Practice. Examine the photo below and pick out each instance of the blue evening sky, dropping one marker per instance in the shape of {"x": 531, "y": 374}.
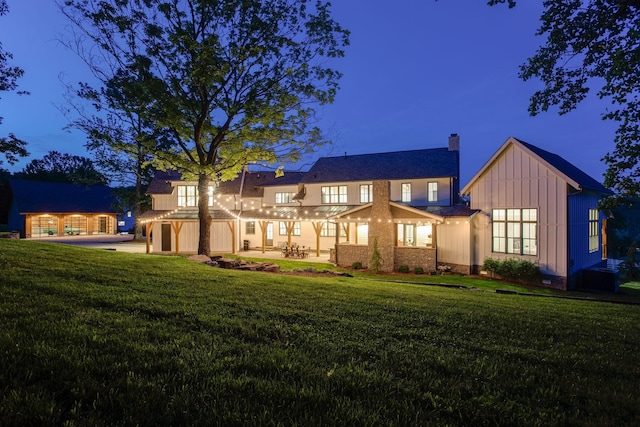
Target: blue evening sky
{"x": 415, "y": 72}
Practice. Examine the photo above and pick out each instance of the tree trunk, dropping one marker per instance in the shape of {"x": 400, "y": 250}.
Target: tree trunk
{"x": 204, "y": 244}
{"x": 137, "y": 209}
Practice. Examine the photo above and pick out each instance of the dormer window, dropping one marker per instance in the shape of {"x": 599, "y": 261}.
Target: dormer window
{"x": 187, "y": 195}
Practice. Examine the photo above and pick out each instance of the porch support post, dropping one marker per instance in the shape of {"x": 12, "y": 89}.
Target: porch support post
{"x": 356, "y": 230}
{"x": 263, "y": 231}
{"x": 317, "y": 227}
{"x": 176, "y": 226}
{"x": 347, "y": 228}
{"x": 149, "y": 229}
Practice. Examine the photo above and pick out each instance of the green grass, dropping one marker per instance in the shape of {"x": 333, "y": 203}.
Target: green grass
{"x": 100, "y": 337}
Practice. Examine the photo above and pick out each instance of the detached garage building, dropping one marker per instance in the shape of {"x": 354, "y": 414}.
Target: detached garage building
{"x": 48, "y": 209}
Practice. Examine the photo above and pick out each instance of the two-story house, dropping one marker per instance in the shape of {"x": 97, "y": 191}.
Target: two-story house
{"x": 327, "y": 206}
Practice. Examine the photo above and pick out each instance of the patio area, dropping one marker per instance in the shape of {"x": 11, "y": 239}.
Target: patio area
{"x": 277, "y": 254}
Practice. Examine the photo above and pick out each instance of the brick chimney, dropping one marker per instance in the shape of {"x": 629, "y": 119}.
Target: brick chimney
{"x": 381, "y": 225}
{"x": 454, "y": 142}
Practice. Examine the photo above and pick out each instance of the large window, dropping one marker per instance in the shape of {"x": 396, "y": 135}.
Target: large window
{"x": 187, "y": 195}
{"x": 432, "y": 191}
{"x": 283, "y": 229}
{"x": 406, "y": 192}
{"x": 415, "y": 235}
{"x": 284, "y": 197}
{"x": 334, "y": 194}
{"x": 366, "y": 193}
{"x": 514, "y": 231}
{"x": 593, "y": 230}
{"x": 210, "y": 193}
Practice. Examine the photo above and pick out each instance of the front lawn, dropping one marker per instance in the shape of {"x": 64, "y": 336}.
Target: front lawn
{"x": 92, "y": 337}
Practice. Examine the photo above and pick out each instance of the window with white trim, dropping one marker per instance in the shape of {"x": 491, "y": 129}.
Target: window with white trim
{"x": 514, "y": 231}
{"x": 406, "y": 192}
{"x": 334, "y": 194}
{"x": 432, "y": 191}
{"x": 366, "y": 193}
{"x": 284, "y": 197}
{"x": 210, "y": 193}
{"x": 187, "y": 195}
{"x": 593, "y": 230}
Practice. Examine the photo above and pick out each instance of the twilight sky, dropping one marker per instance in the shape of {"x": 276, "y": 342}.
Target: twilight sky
{"x": 415, "y": 72}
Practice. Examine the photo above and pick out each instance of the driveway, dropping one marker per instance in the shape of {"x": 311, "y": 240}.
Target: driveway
{"x": 117, "y": 242}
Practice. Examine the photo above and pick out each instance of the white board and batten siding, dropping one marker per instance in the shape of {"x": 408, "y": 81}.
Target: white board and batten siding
{"x": 190, "y": 235}
{"x": 518, "y": 180}
{"x": 455, "y": 241}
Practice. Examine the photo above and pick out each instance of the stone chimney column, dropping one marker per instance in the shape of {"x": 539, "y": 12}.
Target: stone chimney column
{"x": 382, "y": 226}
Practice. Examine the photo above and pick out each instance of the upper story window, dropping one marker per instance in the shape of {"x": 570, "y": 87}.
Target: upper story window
{"x": 406, "y": 192}
{"x": 187, "y": 195}
{"x": 210, "y": 193}
{"x": 593, "y": 230}
{"x": 514, "y": 231}
{"x": 366, "y": 193}
{"x": 334, "y": 194}
{"x": 432, "y": 191}
{"x": 284, "y": 197}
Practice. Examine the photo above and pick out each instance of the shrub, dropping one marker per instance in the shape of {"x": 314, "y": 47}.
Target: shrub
{"x": 513, "y": 269}
{"x": 418, "y": 270}
{"x": 356, "y": 265}
{"x": 403, "y": 269}
{"x": 375, "y": 264}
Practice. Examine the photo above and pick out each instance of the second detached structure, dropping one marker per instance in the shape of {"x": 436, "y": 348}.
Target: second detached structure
{"x": 408, "y": 200}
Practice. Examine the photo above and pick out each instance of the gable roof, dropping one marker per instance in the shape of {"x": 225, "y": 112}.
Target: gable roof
{"x": 573, "y": 175}
{"x": 427, "y": 163}
{"x": 161, "y": 182}
{"x": 56, "y": 197}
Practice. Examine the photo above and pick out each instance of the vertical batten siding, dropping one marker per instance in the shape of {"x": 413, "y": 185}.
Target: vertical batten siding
{"x": 455, "y": 242}
{"x": 517, "y": 180}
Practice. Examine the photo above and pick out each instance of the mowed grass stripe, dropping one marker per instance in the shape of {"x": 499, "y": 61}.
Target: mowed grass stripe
{"x": 100, "y": 337}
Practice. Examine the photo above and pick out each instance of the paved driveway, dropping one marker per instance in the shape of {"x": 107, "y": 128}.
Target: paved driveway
{"x": 118, "y": 242}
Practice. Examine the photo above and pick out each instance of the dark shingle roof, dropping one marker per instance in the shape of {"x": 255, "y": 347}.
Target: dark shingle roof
{"x": 584, "y": 180}
{"x": 428, "y": 163}
{"x": 161, "y": 182}
{"x": 55, "y": 197}
{"x": 253, "y": 182}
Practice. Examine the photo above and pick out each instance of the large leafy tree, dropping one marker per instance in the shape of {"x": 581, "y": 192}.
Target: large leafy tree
{"x": 593, "y": 44}
{"x": 11, "y": 147}
{"x": 230, "y": 81}
{"x": 63, "y": 167}
{"x": 122, "y": 141}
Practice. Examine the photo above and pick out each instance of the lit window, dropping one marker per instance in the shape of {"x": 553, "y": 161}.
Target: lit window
{"x": 284, "y": 197}
{"x": 366, "y": 193}
{"x": 432, "y": 192}
{"x": 210, "y": 194}
{"x": 593, "y": 230}
{"x": 187, "y": 195}
{"x": 514, "y": 231}
{"x": 334, "y": 194}
{"x": 406, "y": 192}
